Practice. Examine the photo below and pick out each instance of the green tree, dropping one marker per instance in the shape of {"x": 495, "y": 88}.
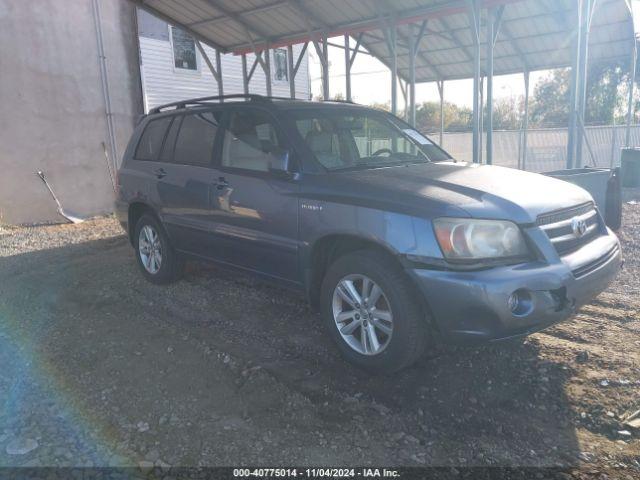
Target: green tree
{"x": 606, "y": 85}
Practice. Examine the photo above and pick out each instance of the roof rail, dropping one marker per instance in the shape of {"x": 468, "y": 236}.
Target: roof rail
{"x": 202, "y": 100}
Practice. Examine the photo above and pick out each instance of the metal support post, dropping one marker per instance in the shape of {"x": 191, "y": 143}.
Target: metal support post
{"x": 347, "y": 67}
{"x": 291, "y": 73}
{"x": 441, "y": 93}
{"x": 245, "y": 75}
{"x": 632, "y": 83}
{"x": 267, "y": 70}
{"x": 215, "y": 71}
{"x": 412, "y": 75}
{"x": 493, "y": 28}
{"x": 573, "y": 96}
{"x": 394, "y": 69}
{"x": 525, "y": 122}
{"x": 474, "y": 16}
{"x": 585, "y": 20}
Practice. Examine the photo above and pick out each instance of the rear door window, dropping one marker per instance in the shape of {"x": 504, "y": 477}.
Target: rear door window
{"x": 170, "y": 140}
{"x": 151, "y": 141}
{"x": 196, "y": 138}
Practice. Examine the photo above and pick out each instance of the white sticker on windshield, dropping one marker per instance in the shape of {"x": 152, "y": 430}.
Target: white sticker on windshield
{"x": 417, "y": 136}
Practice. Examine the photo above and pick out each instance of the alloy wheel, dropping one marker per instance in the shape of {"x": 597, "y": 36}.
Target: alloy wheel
{"x": 362, "y": 314}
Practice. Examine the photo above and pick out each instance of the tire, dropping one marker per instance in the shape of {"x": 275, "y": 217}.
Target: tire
{"x": 163, "y": 269}
{"x": 409, "y": 335}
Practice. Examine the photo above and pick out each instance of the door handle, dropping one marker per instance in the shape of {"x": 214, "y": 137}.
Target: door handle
{"x": 221, "y": 183}
{"x": 160, "y": 173}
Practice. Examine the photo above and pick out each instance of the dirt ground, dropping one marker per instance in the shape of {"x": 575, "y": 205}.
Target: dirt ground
{"x": 99, "y": 367}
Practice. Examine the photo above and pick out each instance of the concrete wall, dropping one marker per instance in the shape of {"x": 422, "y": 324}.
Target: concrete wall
{"x": 52, "y": 115}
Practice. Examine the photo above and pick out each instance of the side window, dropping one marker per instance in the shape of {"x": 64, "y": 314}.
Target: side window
{"x": 280, "y": 64}
{"x": 184, "y": 50}
{"x": 170, "y": 141}
{"x": 194, "y": 145}
{"x": 251, "y": 141}
{"x": 151, "y": 141}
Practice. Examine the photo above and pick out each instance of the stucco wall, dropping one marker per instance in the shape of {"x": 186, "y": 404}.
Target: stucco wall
{"x": 52, "y": 114}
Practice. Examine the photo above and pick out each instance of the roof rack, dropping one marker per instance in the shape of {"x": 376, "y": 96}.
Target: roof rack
{"x": 204, "y": 100}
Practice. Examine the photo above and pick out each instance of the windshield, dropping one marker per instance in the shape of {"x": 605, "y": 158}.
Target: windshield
{"x": 344, "y": 139}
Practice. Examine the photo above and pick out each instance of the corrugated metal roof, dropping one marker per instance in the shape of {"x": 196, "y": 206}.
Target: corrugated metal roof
{"x": 534, "y": 34}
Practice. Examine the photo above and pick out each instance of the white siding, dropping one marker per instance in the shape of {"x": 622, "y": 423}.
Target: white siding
{"x": 162, "y": 83}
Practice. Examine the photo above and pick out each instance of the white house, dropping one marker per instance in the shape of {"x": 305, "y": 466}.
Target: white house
{"x": 172, "y": 68}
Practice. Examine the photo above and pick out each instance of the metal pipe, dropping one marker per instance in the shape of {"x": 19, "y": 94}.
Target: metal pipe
{"x": 475, "y": 18}
{"x": 585, "y": 20}
{"x": 412, "y": 76}
{"x": 347, "y": 67}
{"x": 480, "y": 154}
{"x": 325, "y": 68}
{"x": 394, "y": 69}
{"x": 441, "y": 92}
{"x": 245, "y": 75}
{"x": 490, "y": 44}
{"x": 267, "y": 70}
{"x": 219, "y": 69}
{"x": 573, "y": 95}
{"x": 291, "y": 72}
{"x": 104, "y": 80}
{"x": 525, "y": 120}
{"x": 632, "y": 83}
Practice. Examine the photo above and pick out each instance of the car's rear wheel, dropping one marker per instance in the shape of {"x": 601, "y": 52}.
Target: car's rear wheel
{"x": 372, "y": 312}
{"x": 156, "y": 258}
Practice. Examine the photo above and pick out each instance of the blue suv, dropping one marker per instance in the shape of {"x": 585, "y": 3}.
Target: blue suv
{"x": 395, "y": 242}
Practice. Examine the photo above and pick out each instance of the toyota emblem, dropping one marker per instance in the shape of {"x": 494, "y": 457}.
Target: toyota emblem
{"x": 579, "y": 226}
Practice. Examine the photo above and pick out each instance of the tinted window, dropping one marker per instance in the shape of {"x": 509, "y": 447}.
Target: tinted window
{"x": 151, "y": 140}
{"x": 196, "y": 138}
{"x": 170, "y": 140}
{"x": 251, "y": 141}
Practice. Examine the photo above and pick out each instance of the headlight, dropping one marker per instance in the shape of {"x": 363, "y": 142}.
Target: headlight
{"x": 470, "y": 239}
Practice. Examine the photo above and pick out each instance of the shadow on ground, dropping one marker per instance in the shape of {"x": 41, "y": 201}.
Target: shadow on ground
{"x": 102, "y": 368}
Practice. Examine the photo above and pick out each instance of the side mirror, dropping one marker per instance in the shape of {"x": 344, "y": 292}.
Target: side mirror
{"x": 279, "y": 162}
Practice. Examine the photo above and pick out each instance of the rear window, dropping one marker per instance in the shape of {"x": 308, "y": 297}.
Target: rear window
{"x": 151, "y": 141}
{"x": 194, "y": 145}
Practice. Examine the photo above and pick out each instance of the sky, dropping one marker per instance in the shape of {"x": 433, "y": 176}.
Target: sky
{"x": 371, "y": 82}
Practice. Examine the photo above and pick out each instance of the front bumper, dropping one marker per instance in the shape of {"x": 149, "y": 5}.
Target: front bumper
{"x": 472, "y": 307}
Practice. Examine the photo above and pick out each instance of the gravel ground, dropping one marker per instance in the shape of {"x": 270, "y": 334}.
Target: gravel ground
{"x": 100, "y": 367}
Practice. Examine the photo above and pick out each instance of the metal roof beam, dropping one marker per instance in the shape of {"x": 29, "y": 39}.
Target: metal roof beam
{"x": 142, "y": 4}
{"x": 408, "y": 16}
{"x": 248, "y": 28}
{"x": 251, "y": 11}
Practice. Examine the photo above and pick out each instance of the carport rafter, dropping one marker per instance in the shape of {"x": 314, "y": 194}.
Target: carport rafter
{"x": 215, "y": 71}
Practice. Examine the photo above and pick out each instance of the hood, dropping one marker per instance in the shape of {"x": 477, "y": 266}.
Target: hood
{"x": 482, "y": 191}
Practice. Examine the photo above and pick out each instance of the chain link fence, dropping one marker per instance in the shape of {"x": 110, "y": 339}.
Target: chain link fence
{"x": 546, "y": 148}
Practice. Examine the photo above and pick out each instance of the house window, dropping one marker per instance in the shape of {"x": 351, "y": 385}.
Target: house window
{"x": 184, "y": 50}
{"x": 280, "y": 65}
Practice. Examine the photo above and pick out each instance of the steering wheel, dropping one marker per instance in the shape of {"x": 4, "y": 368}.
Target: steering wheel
{"x": 381, "y": 151}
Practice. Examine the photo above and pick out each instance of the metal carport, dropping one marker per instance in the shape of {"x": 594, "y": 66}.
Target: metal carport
{"x": 423, "y": 41}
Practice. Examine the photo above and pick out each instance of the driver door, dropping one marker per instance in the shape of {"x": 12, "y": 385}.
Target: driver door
{"x": 255, "y": 211}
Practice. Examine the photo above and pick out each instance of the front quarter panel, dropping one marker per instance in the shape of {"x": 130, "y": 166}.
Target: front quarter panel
{"x": 399, "y": 233}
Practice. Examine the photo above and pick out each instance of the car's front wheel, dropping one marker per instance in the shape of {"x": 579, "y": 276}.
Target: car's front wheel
{"x": 372, "y": 313}
{"x": 157, "y": 259}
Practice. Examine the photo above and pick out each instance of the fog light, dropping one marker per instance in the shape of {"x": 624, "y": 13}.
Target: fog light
{"x": 520, "y": 303}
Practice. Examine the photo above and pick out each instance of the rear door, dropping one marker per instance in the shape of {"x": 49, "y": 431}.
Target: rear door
{"x": 255, "y": 210}
{"x": 185, "y": 179}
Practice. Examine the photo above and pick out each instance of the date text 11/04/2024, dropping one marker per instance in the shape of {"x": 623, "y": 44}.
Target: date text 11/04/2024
{"x": 316, "y": 473}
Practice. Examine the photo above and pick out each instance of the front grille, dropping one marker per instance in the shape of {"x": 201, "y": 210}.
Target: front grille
{"x": 597, "y": 263}
{"x": 557, "y": 226}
